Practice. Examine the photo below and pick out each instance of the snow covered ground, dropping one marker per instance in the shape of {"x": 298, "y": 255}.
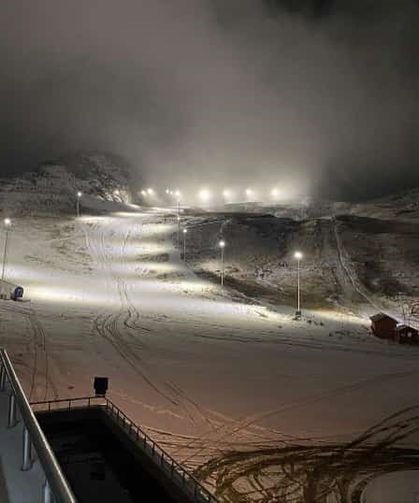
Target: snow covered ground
{"x": 219, "y": 380}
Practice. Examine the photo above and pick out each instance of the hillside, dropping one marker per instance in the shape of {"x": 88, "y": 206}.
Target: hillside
{"x": 54, "y": 185}
{"x": 362, "y": 257}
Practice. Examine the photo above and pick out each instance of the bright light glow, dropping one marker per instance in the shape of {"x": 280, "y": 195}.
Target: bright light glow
{"x": 143, "y": 193}
{"x": 177, "y": 193}
{"x": 7, "y": 222}
{"x": 249, "y": 193}
{"x": 275, "y": 193}
{"x": 298, "y": 255}
{"x": 222, "y": 244}
{"x": 167, "y": 191}
{"x": 79, "y": 194}
{"x": 204, "y": 195}
{"x": 185, "y": 231}
{"x": 116, "y": 192}
{"x": 227, "y": 193}
{"x": 150, "y": 191}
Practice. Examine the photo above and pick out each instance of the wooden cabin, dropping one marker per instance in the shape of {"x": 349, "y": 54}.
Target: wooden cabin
{"x": 383, "y": 325}
{"x": 406, "y": 335}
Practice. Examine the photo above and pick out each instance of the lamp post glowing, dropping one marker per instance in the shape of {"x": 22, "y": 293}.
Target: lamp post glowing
{"x": 177, "y": 195}
{"x": 79, "y": 194}
{"x": 178, "y": 230}
{"x": 185, "y": 231}
{"x": 298, "y": 256}
{"x": 249, "y": 194}
{"x": 7, "y": 225}
{"x": 204, "y": 196}
{"x": 222, "y": 245}
{"x": 227, "y": 195}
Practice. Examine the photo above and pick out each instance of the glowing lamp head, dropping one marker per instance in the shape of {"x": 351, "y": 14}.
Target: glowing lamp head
{"x": 167, "y": 191}
{"x": 298, "y": 255}
{"x": 7, "y": 222}
{"x": 150, "y": 192}
{"x": 79, "y": 194}
{"x": 222, "y": 243}
{"x": 204, "y": 195}
{"x": 227, "y": 193}
{"x": 275, "y": 193}
{"x": 185, "y": 231}
{"x": 177, "y": 193}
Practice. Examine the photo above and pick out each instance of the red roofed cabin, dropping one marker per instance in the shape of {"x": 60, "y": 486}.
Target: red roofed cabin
{"x": 383, "y": 325}
{"x": 406, "y": 335}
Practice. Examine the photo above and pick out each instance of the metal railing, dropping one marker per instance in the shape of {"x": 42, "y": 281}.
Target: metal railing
{"x": 55, "y": 487}
{"x": 175, "y": 472}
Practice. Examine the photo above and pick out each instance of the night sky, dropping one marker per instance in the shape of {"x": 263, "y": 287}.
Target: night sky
{"x": 322, "y": 93}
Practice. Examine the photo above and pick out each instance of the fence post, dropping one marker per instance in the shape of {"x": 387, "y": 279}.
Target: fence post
{"x": 12, "y": 410}
{"x": 27, "y": 451}
{"x": 46, "y": 493}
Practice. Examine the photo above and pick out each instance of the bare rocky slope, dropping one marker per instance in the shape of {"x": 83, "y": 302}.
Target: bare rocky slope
{"x": 53, "y": 186}
{"x": 354, "y": 254}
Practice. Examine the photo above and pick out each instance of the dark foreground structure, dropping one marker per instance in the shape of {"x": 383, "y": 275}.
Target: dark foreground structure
{"x": 82, "y": 450}
{"x": 106, "y": 458}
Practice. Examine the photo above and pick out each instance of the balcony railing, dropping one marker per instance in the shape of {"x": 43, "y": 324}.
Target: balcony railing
{"x": 55, "y": 487}
{"x": 176, "y": 473}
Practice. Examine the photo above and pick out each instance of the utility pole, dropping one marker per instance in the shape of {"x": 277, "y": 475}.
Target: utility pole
{"x": 298, "y": 255}
{"x": 222, "y": 245}
{"x": 185, "y": 231}
{"x": 79, "y": 194}
{"x": 7, "y": 224}
{"x": 178, "y": 230}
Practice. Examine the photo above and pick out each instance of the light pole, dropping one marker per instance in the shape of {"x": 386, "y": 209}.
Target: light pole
{"x": 177, "y": 195}
{"x": 178, "y": 230}
{"x": 298, "y": 256}
{"x": 7, "y": 225}
{"x": 185, "y": 231}
{"x": 222, "y": 245}
{"x": 79, "y": 194}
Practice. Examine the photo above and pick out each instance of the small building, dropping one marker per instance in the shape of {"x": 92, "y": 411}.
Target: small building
{"x": 406, "y": 335}
{"x": 383, "y": 325}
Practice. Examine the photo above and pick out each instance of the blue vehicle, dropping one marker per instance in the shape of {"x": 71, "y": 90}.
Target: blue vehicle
{"x": 10, "y": 291}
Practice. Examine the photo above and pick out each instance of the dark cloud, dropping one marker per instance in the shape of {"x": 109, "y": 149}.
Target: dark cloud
{"x": 317, "y": 94}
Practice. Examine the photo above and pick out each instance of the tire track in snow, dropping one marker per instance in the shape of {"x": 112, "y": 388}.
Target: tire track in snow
{"x": 40, "y": 367}
{"x": 115, "y": 326}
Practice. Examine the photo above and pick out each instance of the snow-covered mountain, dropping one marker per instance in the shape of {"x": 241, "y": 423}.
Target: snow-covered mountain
{"x": 53, "y": 186}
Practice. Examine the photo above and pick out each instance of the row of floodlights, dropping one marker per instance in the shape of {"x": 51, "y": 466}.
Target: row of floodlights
{"x": 206, "y": 195}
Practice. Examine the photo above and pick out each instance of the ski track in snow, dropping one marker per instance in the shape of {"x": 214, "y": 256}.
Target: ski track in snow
{"x": 123, "y": 329}
{"x": 126, "y": 253}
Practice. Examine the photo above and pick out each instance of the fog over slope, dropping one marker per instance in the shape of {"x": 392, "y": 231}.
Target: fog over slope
{"x": 318, "y": 96}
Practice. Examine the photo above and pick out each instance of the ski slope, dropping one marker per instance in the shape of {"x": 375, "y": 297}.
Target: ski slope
{"x": 206, "y": 371}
